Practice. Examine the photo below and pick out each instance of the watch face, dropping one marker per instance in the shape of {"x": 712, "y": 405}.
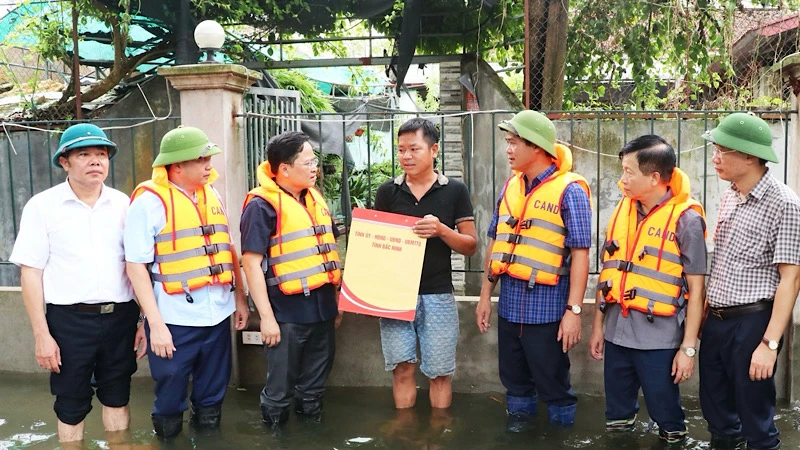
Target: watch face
{"x": 773, "y": 345}
{"x": 576, "y": 309}
{"x": 689, "y": 351}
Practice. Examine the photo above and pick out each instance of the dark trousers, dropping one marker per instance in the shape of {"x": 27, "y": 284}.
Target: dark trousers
{"x": 92, "y": 344}
{"x": 299, "y": 365}
{"x": 531, "y": 362}
{"x": 204, "y": 354}
{"x": 732, "y": 404}
{"x": 628, "y": 369}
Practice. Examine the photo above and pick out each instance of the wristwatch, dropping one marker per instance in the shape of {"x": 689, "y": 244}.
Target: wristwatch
{"x": 772, "y": 345}
{"x": 575, "y": 308}
{"x": 689, "y": 351}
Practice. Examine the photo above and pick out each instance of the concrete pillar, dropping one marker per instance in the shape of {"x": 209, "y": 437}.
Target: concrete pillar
{"x": 789, "y": 70}
{"x": 211, "y": 99}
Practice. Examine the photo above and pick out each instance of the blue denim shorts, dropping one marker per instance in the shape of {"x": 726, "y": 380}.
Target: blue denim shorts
{"x": 436, "y": 325}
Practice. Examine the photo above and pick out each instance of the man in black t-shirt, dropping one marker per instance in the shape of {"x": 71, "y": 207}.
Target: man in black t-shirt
{"x": 448, "y": 224}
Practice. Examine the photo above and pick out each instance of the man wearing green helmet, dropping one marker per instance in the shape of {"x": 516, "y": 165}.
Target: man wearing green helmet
{"x": 185, "y": 271}
{"x": 541, "y": 234}
{"x": 754, "y": 281}
{"x": 69, "y": 250}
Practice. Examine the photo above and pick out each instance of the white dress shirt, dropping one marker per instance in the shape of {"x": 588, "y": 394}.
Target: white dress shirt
{"x": 78, "y": 247}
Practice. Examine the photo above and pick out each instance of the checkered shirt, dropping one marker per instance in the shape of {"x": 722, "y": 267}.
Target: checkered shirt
{"x": 543, "y": 303}
{"x": 753, "y": 235}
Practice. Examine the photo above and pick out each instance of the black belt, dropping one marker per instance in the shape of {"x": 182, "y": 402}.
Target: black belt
{"x": 99, "y": 308}
{"x": 735, "y": 311}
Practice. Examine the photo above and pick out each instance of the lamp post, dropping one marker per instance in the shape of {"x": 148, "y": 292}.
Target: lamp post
{"x": 209, "y": 36}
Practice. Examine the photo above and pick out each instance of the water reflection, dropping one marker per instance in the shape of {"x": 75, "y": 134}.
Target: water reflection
{"x": 353, "y": 418}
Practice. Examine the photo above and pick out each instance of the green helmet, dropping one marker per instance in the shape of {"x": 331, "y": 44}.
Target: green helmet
{"x": 184, "y": 144}
{"x": 533, "y": 127}
{"x": 745, "y": 133}
{"x": 83, "y": 135}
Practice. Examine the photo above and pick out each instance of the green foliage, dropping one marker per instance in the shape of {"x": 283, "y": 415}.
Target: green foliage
{"x": 311, "y": 99}
{"x": 363, "y": 183}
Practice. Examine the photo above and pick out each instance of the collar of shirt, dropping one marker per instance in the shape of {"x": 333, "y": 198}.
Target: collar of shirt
{"x": 529, "y": 185}
{"x": 192, "y": 196}
{"x": 67, "y": 194}
{"x": 759, "y": 190}
{"x": 640, "y": 212}
{"x": 442, "y": 180}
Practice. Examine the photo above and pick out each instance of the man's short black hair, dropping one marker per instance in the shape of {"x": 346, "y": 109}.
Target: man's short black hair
{"x": 429, "y": 131}
{"x": 284, "y": 148}
{"x": 653, "y": 154}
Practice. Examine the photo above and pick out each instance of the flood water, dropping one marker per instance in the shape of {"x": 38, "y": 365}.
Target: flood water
{"x": 360, "y": 418}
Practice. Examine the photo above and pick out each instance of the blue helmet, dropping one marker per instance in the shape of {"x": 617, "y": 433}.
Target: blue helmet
{"x": 83, "y": 135}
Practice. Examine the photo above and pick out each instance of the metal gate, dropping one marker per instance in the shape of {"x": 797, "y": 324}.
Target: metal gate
{"x": 259, "y": 129}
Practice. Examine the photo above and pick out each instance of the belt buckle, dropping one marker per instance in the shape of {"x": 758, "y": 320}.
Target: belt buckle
{"x": 107, "y": 309}
{"x": 717, "y": 313}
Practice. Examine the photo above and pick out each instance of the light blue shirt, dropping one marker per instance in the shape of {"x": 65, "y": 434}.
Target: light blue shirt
{"x": 212, "y": 304}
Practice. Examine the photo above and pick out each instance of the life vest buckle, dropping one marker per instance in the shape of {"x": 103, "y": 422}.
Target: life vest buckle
{"x": 330, "y": 266}
{"x": 630, "y": 294}
{"x": 216, "y": 269}
{"x": 612, "y": 247}
{"x": 207, "y": 229}
{"x": 508, "y": 258}
{"x": 324, "y": 248}
{"x": 318, "y": 229}
{"x": 514, "y": 238}
{"x": 625, "y": 266}
{"x": 512, "y": 221}
{"x": 526, "y": 224}
{"x": 605, "y": 287}
{"x": 211, "y": 249}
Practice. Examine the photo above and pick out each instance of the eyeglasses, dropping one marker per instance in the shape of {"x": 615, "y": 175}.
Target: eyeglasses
{"x": 313, "y": 164}
{"x": 719, "y": 150}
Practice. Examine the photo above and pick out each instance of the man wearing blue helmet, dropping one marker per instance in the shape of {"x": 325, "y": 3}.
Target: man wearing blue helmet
{"x": 70, "y": 253}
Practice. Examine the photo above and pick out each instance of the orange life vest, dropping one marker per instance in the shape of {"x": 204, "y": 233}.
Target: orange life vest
{"x": 194, "y": 248}
{"x": 529, "y": 244}
{"x": 642, "y": 267}
{"x": 303, "y": 253}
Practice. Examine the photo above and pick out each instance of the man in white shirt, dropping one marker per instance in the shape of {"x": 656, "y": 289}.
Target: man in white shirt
{"x": 72, "y": 262}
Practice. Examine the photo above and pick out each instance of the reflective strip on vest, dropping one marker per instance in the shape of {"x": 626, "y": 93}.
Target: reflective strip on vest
{"x": 519, "y": 239}
{"x": 628, "y": 266}
{"x": 209, "y": 249}
{"x": 316, "y": 230}
{"x": 510, "y": 258}
{"x": 316, "y": 250}
{"x": 665, "y": 255}
{"x": 203, "y": 230}
{"x": 539, "y": 223}
{"x": 325, "y": 267}
{"x": 184, "y": 276}
{"x": 655, "y": 296}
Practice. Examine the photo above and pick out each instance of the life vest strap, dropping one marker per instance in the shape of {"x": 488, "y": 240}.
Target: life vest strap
{"x": 203, "y": 230}
{"x": 631, "y": 294}
{"x": 327, "y": 266}
{"x": 315, "y": 250}
{"x": 629, "y": 266}
{"x": 209, "y": 249}
{"x": 315, "y": 230}
{"x": 512, "y": 238}
{"x": 665, "y": 255}
{"x": 182, "y": 277}
{"x": 511, "y": 258}
{"x": 530, "y": 223}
